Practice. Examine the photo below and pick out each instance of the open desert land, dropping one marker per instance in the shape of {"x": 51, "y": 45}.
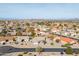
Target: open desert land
{"x": 42, "y": 37}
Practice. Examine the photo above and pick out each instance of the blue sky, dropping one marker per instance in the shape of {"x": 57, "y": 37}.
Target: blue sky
{"x": 45, "y": 11}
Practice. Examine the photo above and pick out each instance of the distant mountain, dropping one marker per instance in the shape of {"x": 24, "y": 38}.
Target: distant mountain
{"x": 71, "y": 19}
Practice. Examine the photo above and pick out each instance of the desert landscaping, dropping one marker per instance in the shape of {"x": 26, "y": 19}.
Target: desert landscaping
{"x": 39, "y": 38}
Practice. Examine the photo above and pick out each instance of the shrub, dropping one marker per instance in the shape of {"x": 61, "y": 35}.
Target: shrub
{"x": 57, "y": 40}
{"x": 6, "y": 40}
{"x": 66, "y": 45}
{"x": 22, "y": 40}
{"x": 14, "y": 39}
{"x": 16, "y": 43}
{"x": 52, "y": 44}
{"x": 25, "y": 52}
{"x": 30, "y": 53}
{"x": 39, "y": 49}
{"x": 4, "y": 43}
{"x": 20, "y": 55}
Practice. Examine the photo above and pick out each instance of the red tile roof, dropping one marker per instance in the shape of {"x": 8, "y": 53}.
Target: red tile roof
{"x": 68, "y": 40}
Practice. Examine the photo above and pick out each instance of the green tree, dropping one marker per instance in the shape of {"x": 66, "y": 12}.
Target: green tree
{"x": 69, "y": 50}
{"x": 67, "y": 45}
{"x": 18, "y": 33}
{"x": 33, "y": 34}
{"x": 57, "y": 40}
{"x": 27, "y": 24}
{"x": 39, "y": 49}
{"x": 4, "y": 32}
